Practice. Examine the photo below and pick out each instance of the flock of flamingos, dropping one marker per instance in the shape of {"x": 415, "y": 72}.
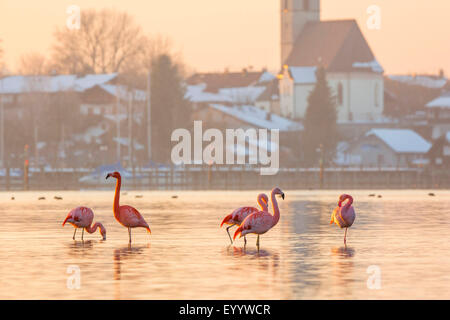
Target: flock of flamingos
{"x": 248, "y": 219}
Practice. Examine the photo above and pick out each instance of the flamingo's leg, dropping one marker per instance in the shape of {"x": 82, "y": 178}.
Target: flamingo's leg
{"x": 129, "y": 234}
{"x": 257, "y": 241}
{"x": 245, "y": 241}
{"x": 345, "y": 236}
{"x": 82, "y": 235}
{"x": 74, "y": 234}
{"x": 229, "y": 234}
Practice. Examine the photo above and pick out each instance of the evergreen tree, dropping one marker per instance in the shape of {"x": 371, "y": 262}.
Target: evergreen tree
{"x": 170, "y": 110}
{"x": 320, "y": 122}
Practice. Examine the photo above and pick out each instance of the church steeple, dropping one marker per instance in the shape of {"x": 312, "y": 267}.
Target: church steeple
{"x": 294, "y": 15}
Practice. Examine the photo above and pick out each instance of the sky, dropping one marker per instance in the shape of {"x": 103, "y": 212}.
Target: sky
{"x": 211, "y": 35}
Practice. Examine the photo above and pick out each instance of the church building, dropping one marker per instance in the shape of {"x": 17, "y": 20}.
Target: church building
{"x": 353, "y": 72}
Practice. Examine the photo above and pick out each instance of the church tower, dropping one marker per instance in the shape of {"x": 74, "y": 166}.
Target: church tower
{"x": 294, "y": 15}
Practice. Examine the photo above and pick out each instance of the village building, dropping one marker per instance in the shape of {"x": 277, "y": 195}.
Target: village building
{"x": 387, "y": 148}
{"x": 353, "y": 73}
{"x": 439, "y": 153}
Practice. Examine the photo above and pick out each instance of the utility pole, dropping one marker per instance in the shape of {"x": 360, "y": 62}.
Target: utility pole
{"x": 118, "y": 121}
{"x": 149, "y": 117}
{"x": 2, "y": 130}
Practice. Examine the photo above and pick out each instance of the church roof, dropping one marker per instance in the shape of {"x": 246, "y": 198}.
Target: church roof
{"x": 338, "y": 45}
{"x": 216, "y": 81}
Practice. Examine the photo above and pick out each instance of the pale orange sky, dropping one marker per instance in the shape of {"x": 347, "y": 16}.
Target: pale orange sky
{"x": 215, "y": 34}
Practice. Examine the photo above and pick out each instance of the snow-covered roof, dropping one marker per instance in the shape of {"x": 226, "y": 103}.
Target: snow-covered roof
{"x": 52, "y": 84}
{"x": 421, "y": 80}
{"x": 196, "y": 93}
{"x": 374, "y": 65}
{"x": 126, "y": 142}
{"x": 237, "y": 95}
{"x": 259, "y": 117}
{"x": 440, "y": 102}
{"x": 266, "y": 77}
{"x": 303, "y": 75}
{"x": 122, "y": 92}
{"x": 401, "y": 140}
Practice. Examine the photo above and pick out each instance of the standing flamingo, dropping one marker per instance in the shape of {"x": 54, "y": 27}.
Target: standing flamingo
{"x": 238, "y": 215}
{"x": 82, "y": 217}
{"x": 262, "y": 221}
{"x": 344, "y": 216}
{"x": 127, "y": 216}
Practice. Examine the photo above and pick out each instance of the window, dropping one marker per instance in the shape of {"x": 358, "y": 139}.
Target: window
{"x": 377, "y": 94}
{"x": 340, "y": 94}
{"x": 305, "y": 5}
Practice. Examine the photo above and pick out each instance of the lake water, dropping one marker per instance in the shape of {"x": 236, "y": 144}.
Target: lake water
{"x": 398, "y": 248}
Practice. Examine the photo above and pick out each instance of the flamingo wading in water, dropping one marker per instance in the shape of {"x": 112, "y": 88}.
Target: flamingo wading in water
{"x": 82, "y": 217}
{"x": 262, "y": 221}
{"x": 127, "y": 216}
{"x": 344, "y": 216}
{"x": 238, "y": 215}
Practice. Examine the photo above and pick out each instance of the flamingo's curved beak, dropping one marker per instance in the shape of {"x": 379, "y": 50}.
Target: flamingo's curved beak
{"x": 65, "y": 220}
{"x": 238, "y": 232}
{"x": 282, "y": 195}
{"x": 107, "y": 176}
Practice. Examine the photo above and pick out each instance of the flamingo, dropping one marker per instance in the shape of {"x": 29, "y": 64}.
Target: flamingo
{"x": 238, "y": 215}
{"x": 127, "y": 216}
{"x": 344, "y": 216}
{"x": 262, "y": 221}
{"x": 82, "y": 217}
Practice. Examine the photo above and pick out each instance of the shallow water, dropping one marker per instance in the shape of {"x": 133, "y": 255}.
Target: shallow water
{"x": 403, "y": 236}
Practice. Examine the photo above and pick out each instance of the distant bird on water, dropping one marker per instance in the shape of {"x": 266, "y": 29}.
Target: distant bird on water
{"x": 127, "y": 216}
{"x": 238, "y": 215}
{"x": 344, "y": 216}
{"x": 262, "y": 221}
{"x": 82, "y": 217}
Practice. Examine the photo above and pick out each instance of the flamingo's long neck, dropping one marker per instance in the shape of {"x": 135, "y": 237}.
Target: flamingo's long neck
{"x": 116, "y": 198}
{"x": 276, "y": 211}
{"x": 261, "y": 203}
{"x": 93, "y": 228}
{"x": 349, "y": 202}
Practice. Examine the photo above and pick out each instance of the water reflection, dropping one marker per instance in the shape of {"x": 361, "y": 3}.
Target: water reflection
{"x": 188, "y": 257}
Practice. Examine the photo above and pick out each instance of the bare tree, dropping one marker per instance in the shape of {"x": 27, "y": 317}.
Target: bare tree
{"x": 107, "y": 41}
{"x": 1, "y": 59}
{"x": 33, "y": 64}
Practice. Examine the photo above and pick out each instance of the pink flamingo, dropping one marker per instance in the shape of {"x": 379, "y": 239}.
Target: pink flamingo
{"x": 127, "y": 216}
{"x": 82, "y": 217}
{"x": 344, "y": 216}
{"x": 238, "y": 215}
{"x": 262, "y": 221}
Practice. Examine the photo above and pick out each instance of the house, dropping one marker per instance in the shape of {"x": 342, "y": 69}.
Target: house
{"x": 439, "y": 153}
{"x": 232, "y": 88}
{"x": 438, "y": 115}
{"x": 353, "y": 73}
{"x": 396, "y": 148}
{"x": 269, "y": 100}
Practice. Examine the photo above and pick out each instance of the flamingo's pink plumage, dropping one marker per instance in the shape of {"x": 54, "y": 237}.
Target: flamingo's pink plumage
{"x": 82, "y": 217}
{"x": 127, "y": 216}
{"x": 344, "y": 216}
{"x": 261, "y": 221}
{"x": 238, "y": 215}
